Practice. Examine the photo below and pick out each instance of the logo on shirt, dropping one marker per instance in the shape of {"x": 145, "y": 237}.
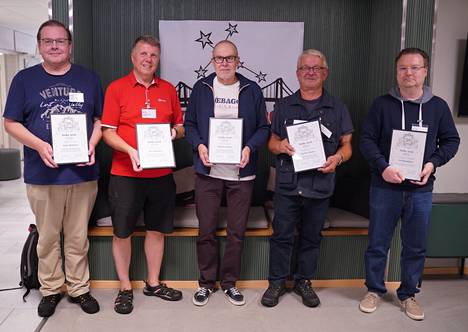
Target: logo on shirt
{"x": 55, "y": 100}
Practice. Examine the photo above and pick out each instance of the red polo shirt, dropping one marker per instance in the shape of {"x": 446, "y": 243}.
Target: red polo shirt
{"x": 125, "y": 98}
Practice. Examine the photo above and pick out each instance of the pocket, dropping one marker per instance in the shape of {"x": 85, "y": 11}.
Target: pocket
{"x": 324, "y": 183}
{"x": 286, "y": 178}
{"x": 330, "y": 145}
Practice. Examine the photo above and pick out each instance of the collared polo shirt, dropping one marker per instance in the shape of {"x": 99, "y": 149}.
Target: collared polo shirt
{"x": 125, "y": 98}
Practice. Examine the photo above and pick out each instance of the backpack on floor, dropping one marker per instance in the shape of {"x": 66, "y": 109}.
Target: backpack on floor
{"x": 29, "y": 262}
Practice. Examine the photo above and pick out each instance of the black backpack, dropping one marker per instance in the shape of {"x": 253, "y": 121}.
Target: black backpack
{"x": 29, "y": 262}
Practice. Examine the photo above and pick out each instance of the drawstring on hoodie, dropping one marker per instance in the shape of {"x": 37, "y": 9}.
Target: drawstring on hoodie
{"x": 420, "y": 120}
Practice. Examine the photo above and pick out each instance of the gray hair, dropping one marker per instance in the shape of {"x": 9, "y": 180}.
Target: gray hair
{"x": 311, "y": 51}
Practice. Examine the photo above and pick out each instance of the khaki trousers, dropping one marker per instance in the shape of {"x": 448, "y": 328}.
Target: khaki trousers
{"x": 63, "y": 208}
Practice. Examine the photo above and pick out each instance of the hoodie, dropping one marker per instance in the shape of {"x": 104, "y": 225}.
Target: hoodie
{"x": 391, "y": 111}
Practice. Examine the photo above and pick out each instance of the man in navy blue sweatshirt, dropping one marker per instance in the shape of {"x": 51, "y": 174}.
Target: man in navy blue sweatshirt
{"x": 412, "y": 107}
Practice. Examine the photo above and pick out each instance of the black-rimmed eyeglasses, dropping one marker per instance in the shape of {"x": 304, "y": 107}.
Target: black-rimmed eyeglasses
{"x": 220, "y": 59}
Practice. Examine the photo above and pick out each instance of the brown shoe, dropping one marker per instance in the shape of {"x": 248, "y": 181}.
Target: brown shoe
{"x": 412, "y": 309}
{"x": 369, "y": 303}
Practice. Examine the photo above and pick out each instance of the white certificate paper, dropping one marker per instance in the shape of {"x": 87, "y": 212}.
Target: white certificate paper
{"x": 407, "y": 153}
{"x": 306, "y": 139}
{"x": 155, "y": 145}
{"x": 69, "y": 138}
{"x": 225, "y": 141}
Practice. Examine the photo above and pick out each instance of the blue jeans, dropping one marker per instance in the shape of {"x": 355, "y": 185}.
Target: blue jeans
{"x": 386, "y": 208}
{"x": 308, "y": 215}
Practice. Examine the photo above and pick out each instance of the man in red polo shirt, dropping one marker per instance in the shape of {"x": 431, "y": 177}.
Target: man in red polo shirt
{"x": 140, "y": 97}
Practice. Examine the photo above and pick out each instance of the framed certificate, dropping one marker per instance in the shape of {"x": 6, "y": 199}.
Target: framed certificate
{"x": 69, "y": 138}
{"x": 154, "y": 145}
{"x": 407, "y": 152}
{"x": 306, "y": 139}
{"x": 225, "y": 141}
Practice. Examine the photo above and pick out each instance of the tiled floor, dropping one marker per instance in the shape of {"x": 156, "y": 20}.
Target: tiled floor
{"x": 15, "y": 217}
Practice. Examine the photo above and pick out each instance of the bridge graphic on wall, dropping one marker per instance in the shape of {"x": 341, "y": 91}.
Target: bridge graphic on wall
{"x": 271, "y": 92}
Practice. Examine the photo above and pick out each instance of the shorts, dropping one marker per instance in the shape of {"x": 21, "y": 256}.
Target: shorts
{"x": 129, "y": 196}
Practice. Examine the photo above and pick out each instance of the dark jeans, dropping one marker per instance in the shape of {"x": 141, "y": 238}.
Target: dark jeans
{"x": 208, "y": 196}
{"x": 386, "y": 208}
{"x": 308, "y": 215}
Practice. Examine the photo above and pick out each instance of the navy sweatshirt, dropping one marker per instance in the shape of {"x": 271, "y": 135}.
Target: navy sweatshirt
{"x": 386, "y": 114}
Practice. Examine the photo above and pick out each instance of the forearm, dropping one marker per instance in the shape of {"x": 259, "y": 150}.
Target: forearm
{"x": 180, "y": 131}
{"x": 116, "y": 142}
{"x": 274, "y": 144}
{"x": 96, "y": 134}
{"x": 345, "y": 149}
{"x": 23, "y": 135}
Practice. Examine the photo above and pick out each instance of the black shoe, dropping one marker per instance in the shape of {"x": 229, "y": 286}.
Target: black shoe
{"x": 162, "y": 291}
{"x": 124, "y": 302}
{"x": 200, "y": 298}
{"x": 48, "y": 304}
{"x": 87, "y": 302}
{"x": 234, "y": 296}
{"x": 304, "y": 289}
{"x": 271, "y": 296}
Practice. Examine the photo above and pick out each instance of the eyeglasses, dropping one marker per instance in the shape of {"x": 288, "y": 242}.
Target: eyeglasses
{"x": 220, "y": 59}
{"x": 412, "y": 69}
{"x": 58, "y": 42}
{"x": 314, "y": 69}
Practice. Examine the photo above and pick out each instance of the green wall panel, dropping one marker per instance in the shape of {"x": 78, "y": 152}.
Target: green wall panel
{"x": 448, "y": 231}
{"x": 60, "y": 11}
{"x": 341, "y": 257}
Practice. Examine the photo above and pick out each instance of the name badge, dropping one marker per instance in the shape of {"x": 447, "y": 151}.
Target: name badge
{"x": 148, "y": 113}
{"x": 325, "y": 131}
{"x": 76, "y": 97}
{"x": 416, "y": 127}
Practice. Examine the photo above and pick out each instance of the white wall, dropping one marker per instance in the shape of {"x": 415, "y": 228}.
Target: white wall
{"x": 450, "y": 44}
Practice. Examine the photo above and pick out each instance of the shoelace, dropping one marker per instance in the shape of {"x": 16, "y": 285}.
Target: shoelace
{"x": 124, "y": 296}
{"x": 84, "y": 298}
{"x": 202, "y": 291}
{"x": 307, "y": 287}
{"x": 371, "y": 297}
{"x": 234, "y": 291}
{"x": 412, "y": 303}
{"x": 52, "y": 299}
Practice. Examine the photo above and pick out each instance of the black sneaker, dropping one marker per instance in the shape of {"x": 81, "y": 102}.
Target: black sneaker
{"x": 87, "y": 302}
{"x": 48, "y": 304}
{"x": 234, "y": 296}
{"x": 200, "y": 298}
{"x": 271, "y": 296}
{"x": 124, "y": 302}
{"x": 162, "y": 291}
{"x": 304, "y": 289}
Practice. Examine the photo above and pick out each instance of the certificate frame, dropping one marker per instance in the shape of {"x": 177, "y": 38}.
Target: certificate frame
{"x": 225, "y": 140}
{"x": 69, "y": 138}
{"x": 154, "y": 145}
{"x": 407, "y": 152}
{"x": 306, "y": 139}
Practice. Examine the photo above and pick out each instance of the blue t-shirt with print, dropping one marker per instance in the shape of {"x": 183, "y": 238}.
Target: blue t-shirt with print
{"x": 34, "y": 95}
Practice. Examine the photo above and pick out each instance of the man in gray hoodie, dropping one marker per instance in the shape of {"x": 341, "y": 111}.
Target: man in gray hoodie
{"x": 410, "y": 107}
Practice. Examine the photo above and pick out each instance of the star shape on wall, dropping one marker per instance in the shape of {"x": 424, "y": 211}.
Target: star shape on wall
{"x": 205, "y": 39}
{"x": 200, "y": 72}
{"x": 261, "y": 77}
{"x": 232, "y": 29}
